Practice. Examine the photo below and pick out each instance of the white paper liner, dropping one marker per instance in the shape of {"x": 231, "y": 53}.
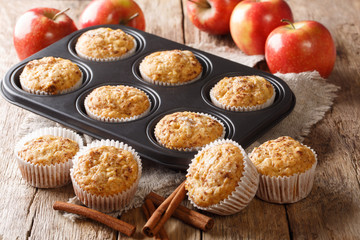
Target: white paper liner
{"x": 242, "y": 109}
{"x": 116, "y": 120}
{"x": 109, "y": 59}
{"x": 48, "y": 176}
{"x": 38, "y": 92}
{"x": 195, "y": 148}
{"x": 287, "y": 189}
{"x": 244, "y": 192}
{"x": 160, "y": 83}
{"x": 107, "y": 203}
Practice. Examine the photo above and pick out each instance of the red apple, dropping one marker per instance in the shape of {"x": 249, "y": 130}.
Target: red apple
{"x": 253, "y": 20}
{"x": 211, "y": 16}
{"x": 124, "y": 12}
{"x": 299, "y": 47}
{"x": 38, "y": 28}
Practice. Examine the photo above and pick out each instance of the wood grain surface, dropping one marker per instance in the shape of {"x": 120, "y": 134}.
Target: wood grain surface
{"x": 331, "y": 211}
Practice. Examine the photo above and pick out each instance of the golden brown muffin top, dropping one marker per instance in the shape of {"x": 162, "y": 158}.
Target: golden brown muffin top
{"x": 102, "y": 43}
{"x": 214, "y": 173}
{"x": 173, "y": 66}
{"x": 283, "y": 156}
{"x": 50, "y": 75}
{"x": 48, "y": 150}
{"x": 187, "y": 130}
{"x": 105, "y": 170}
{"x": 243, "y": 91}
{"x": 117, "y": 101}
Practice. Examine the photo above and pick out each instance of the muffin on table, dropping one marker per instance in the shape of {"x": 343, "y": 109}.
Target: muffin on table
{"x": 188, "y": 131}
{"x": 50, "y": 76}
{"x": 221, "y": 179}
{"x": 169, "y": 68}
{"x": 242, "y": 93}
{"x": 117, "y": 103}
{"x": 45, "y": 156}
{"x": 286, "y": 168}
{"x": 105, "y": 175}
{"x": 105, "y": 44}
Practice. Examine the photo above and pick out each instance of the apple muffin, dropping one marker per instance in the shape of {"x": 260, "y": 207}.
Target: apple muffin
{"x": 117, "y": 103}
{"x": 173, "y": 67}
{"x": 221, "y": 179}
{"x": 286, "y": 168}
{"x": 242, "y": 93}
{"x": 188, "y": 131}
{"x": 50, "y": 76}
{"x": 105, "y": 44}
{"x": 106, "y": 174}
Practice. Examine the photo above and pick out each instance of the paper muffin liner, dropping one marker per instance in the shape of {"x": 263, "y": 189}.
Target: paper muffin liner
{"x": 109, "y": 59}
{"x": 195, "y": 148}
{"x": 287, "y": 189}
{"x": 116, "y": 120}
{"x": 38, "y": 92}
{"x": 46, "y": 176}
{"x": 243, "y": 193}
{"x": 242, "y": 109}
{"x": 106, "y": 203}
{"x": 160, "y": 83}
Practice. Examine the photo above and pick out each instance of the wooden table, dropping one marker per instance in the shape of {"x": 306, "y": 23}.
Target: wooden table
{"x": 331, "y": 211}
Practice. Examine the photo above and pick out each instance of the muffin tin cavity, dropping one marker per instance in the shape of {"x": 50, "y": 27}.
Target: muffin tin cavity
{"x": 68, "y": 109}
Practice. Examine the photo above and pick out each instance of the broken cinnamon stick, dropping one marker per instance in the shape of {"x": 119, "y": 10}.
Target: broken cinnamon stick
{"x": 109, "y": 221}
{"x": 164, "y": 211}
{"x": 185, "y": 214}
{"x": 149, "y": 208}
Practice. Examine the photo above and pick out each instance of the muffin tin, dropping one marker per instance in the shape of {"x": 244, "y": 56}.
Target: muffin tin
{"x": 68, "y": 109}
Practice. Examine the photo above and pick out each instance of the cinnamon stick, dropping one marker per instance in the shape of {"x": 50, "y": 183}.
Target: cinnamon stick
{"x": 112, "y": 222}
{"x": 164, "y": 211}
{"x": 185, "y": 214}
{"x": 149, "y": 208}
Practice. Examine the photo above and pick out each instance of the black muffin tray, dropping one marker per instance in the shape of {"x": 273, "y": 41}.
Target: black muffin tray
{"x": 68, "y": 109}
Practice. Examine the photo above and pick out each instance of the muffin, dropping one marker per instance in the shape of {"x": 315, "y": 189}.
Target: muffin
{"x": 50, "y": 76}
{"x": 221, "y": 179}
{"x": 188, "y": 131}
{"x": 105, "y": 44}
{"x": 174, "y": 67}
{"x": 105, "y": 175}
{"x": 45, "y": 156}
{"x": 242, "y": 93}
{"x": 286, "y": 168}
{"x": 117, "y": 103}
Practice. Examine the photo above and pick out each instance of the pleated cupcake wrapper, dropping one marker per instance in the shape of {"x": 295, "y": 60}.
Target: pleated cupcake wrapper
{"x": 109, "y": 59}
{"x": 243, "y": 193}
{"x": 115, "y": 120}
{"x": 200, "y": 147}
{"x": 160, "y": 83}
{"x": 46, "y": 176}
{"x": 38, "y": 92}
{"x": 242, "y": 109}
{"x": 287, "y": 189}
{"x": 106, "y": 203}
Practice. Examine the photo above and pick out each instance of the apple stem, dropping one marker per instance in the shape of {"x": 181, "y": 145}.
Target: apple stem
{"x": 201, "y": 4}
{"x": 133, "y": 16}
{"x": 289, "y": 22}
{"x": 59, "y": 13}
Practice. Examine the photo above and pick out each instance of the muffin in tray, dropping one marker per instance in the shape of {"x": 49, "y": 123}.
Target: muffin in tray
{"x": 44, "y": 156}
{"x": 117, "y": 103}
{"x": 106, "y": 174}
{"x": 242, "y": 93}
{"x": 173, "y": 67}
{"x": 105, "y": 44}
{"x": 221, "y": 179}
{"x": 188, "y": 131}
{"x": 286, "y": 168}
{"x": 50, "y": 76}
